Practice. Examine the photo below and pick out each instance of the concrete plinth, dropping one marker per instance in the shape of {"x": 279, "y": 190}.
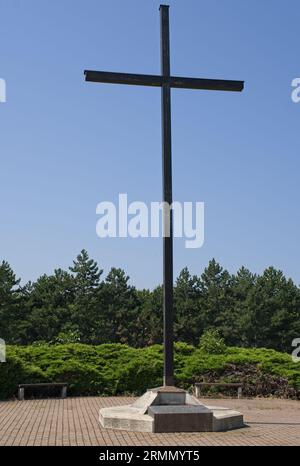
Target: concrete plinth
{"x": 169, "y": 409}
{"x": 181, "y": 418}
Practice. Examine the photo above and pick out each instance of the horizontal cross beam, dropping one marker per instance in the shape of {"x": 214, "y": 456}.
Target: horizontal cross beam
{"x": 158, "y": 81}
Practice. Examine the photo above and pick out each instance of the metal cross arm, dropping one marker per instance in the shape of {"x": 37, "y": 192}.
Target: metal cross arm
{"x": 159, "y": 81}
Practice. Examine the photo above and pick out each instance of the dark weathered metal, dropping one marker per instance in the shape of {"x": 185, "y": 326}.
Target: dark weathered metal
{"x": 123, "y": 78}
{"x": 158, "y": 81}
{"x": 166, "y": 82}
{"x": 167, "y": 197}
{"x": 206, "y": 84}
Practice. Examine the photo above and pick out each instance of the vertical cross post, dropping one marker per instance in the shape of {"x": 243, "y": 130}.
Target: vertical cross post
{"x": 167, "y": 198}
{"x": 166, "y": 82}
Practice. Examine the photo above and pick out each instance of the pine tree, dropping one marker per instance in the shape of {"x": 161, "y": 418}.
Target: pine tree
{"x": 87, "y": 308}
{"x": 188, "y": 322}
{"x": 216, "y": 296}
{"x": 86, "y": 272}
{"x": 49, "y": 303}
{"x": 10, "y": 303}
{"x": 121, "y": 308}
{"x": 150, "y": 317}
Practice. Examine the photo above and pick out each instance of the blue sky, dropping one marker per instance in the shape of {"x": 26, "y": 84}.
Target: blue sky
{"x": 66, "y": 145}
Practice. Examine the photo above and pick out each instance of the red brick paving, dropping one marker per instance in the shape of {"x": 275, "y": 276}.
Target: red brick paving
{"x": 74, "y": 421}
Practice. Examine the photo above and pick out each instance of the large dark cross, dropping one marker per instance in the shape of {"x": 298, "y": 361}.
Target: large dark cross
{"x": 166, "y": 81}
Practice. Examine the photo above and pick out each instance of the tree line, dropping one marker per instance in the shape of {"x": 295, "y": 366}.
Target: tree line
{"x": 79, "y": 305}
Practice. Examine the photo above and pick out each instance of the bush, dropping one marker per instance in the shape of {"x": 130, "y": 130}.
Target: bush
{"x": 211, "y": 342}
{"x": 115, "y": 369}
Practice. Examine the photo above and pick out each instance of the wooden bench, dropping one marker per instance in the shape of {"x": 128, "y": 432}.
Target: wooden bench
{"x": 198, "y": 387}
{"x": 21, "y": 388}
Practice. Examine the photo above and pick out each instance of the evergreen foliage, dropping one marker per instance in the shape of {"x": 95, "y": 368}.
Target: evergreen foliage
{"x": 115, "y": 369}
{"x": 79, "y": 305}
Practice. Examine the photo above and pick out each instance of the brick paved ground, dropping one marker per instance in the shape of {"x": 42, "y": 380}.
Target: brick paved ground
{"x": 74, "y": 421}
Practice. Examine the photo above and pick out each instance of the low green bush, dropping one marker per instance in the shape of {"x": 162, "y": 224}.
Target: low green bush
{"x": 211, "y": 342}
{"x": 115, "y": 369}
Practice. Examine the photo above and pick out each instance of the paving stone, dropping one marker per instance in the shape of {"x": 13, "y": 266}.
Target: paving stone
{"x": 75, "y": 420}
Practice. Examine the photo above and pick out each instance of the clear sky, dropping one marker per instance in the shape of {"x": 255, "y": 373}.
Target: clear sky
{"x": 66, "y": 145}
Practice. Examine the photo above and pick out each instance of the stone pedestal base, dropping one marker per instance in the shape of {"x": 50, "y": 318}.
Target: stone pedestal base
{"x": 169, "y": 409}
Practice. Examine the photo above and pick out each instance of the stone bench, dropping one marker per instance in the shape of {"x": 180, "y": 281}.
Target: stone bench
{"x": 238, "y": 386}
{"x": 21, "y": 388}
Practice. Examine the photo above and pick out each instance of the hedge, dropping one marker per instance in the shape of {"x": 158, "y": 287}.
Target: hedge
{"x": 115, "y": 369}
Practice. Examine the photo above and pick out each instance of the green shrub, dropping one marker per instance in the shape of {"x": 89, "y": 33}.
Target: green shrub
{"x": 115, "y": 369}
{"x": 211, "y": 342}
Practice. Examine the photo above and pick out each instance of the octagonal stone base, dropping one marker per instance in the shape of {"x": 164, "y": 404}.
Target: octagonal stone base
{"x": 169, "y": 409}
